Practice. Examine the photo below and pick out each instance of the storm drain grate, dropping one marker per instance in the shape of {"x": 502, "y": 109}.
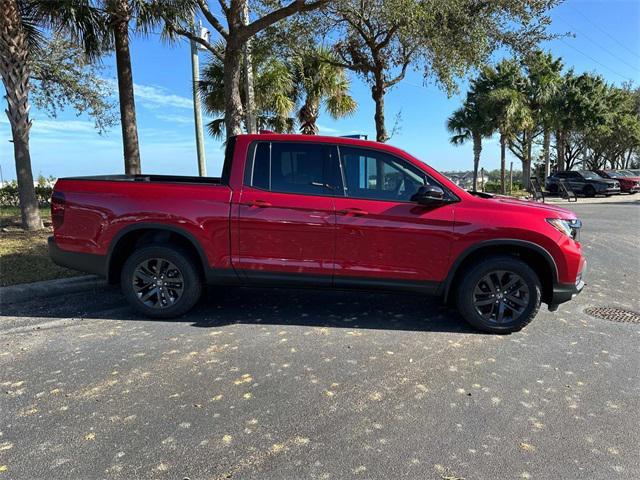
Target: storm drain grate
{"x": 614, "y": 314}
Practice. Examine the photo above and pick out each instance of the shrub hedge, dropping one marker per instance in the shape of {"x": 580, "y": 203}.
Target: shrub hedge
{"x": 9, "y": 195}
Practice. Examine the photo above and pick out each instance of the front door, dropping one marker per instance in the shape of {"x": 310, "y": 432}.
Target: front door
{"x": 382, "y": 237}
{"x": 286, "y": 220}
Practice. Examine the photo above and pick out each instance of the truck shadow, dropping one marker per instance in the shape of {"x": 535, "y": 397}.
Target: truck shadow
{"x": 325, "y": 308}
{"x": 257, "y": 306}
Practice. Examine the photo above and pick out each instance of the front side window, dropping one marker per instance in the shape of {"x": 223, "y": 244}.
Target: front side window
{"x": 288, "y": 167}
{"x": 379, "y": 176}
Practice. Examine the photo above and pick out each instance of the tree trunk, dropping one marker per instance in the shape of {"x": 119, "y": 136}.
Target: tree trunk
{"x": 232, "y": 97}
{"x": 120, "y": 24}
{"x": 14, "y": 68}
{"x": 546, "y": 144}
{"x": 477, "y": 150}
{"x": 308, "y": 116}
{"x": 560, "y": 167}
{"x": 377, "y": 93}
{"x": 503, "y": 163}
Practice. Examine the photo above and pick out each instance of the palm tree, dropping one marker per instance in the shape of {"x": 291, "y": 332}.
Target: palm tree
{"x": 511, "y": 114}
{"x": 145, "y": 16}
{"x": 274, "y": 92}
{"x": 320, "y": 81}
{"x": 22, "y": 23}
{"x": 544, "y": 79}
{"x": 507, "y": 107}
{"x": 470, "y": 122}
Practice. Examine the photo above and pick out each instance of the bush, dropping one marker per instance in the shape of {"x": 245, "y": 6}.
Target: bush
{"x": 9, "y": 195}
{"x": 494, "y": 187}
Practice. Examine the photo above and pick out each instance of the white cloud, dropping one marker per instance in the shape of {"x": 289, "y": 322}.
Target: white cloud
{"x": 183, "y": 119}
{"x": 62, "y": 126}
{"x": 155, "y": 96}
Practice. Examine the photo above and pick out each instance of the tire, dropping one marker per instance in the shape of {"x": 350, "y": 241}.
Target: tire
{"x": 179, "y": 269}
{"x": 553, "y": 188}
{"x": 589, "y": 191}
{"x": 474, "y": 288}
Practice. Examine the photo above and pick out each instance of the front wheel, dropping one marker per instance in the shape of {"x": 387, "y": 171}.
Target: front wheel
{"x": 589, "y": 191}
{"x": 161, "y": 281}
{"x": 500, "y": 294}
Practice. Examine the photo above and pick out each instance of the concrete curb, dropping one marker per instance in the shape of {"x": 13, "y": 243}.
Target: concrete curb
{"x": 49, "y": 288}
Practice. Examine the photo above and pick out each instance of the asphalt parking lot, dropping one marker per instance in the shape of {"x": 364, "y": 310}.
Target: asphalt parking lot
{"x": 260, "y": 384}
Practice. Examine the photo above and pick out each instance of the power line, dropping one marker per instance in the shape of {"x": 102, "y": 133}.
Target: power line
{"x": 605, "y": 32}
{"x": 593, "y": 59}
{"x": 634, "y": 67}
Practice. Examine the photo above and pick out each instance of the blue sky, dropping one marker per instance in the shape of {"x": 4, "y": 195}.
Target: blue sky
{"x": 607, "y": 41}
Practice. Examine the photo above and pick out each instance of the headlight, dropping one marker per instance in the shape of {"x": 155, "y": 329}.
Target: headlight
{"x": 571, "y": 228}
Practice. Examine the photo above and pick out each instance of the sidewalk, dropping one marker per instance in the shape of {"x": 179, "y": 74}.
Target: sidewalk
{"x": 620, "y": 198}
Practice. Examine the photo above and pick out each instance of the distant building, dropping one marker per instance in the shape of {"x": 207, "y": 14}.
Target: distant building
{"x": 465, "y": 179}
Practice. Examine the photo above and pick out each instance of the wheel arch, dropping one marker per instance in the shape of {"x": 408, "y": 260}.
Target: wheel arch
{"x": 134, "y": 236}
{"x": 538, "y": 258}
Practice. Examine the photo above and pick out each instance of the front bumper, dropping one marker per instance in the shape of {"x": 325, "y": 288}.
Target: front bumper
{"x": 563, "y": 292}
{"x": 84, "y": 262}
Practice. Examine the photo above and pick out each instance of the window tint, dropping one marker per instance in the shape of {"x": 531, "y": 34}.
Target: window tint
{"x": 289, "y": 168}
{"x": 376, "y": 175}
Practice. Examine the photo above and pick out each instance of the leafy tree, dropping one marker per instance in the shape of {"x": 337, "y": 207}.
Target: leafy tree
{"x": 381, "y": 39}
{"x": 470, "y": 122}
{"x": 62, "y": 76}
{"x": 578, "y": 106}
{"x": 613, "y": 142}
{"x": 320, "y": 81}
{"x": 234, "y": 37}
{"x": 22, "y": 24}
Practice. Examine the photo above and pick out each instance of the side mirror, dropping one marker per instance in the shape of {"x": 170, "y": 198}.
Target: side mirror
{"x": 429, "y": 195}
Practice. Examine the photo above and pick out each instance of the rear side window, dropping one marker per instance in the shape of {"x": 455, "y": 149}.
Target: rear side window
{"x": 289, "y": 167}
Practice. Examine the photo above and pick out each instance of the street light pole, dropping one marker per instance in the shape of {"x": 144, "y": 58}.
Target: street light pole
{"x": 197, "y": 113}
{"x": 250, "y": 107}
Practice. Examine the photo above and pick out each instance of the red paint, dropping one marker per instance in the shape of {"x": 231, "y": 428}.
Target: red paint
{"x": 254, "y": 230}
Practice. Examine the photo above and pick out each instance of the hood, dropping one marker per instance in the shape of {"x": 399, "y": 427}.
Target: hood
{"x": 506, "y": 202}
{"x": 628, "y": 179}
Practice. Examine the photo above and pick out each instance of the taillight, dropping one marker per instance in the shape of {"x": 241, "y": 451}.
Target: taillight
{"x": 57, "y": 209}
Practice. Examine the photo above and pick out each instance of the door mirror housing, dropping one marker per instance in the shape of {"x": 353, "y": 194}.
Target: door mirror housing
{"x": 429, "y": 195}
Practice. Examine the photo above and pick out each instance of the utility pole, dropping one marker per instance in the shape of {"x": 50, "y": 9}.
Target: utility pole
{"x": 482, "y": 179}
{"x": 197, "y": 112}
{"x": 511, "y": 179}
{"x": 250, "y": 107}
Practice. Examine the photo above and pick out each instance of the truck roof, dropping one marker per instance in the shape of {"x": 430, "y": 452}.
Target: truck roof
{"x": 297, "y": 137}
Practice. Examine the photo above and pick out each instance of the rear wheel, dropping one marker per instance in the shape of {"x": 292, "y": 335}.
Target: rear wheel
{"x": 500, "y": 294}
{"x": 161, "y": 281}
{"x": 589, "y": 191}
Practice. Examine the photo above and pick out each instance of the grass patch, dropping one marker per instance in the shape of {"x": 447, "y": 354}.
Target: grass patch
{"x": 24, "y": 256}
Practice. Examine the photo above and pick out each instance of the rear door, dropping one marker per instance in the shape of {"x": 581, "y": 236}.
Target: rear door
{"x": 382, "y": 237}
{"x": 286, "y": 222}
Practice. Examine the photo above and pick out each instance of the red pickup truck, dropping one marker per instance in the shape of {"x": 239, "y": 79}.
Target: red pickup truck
{"x": 313, "y": 211}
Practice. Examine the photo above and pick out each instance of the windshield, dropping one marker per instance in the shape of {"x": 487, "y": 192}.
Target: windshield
{"x": 616, "y": 174}
{"x": 590, "y": 175}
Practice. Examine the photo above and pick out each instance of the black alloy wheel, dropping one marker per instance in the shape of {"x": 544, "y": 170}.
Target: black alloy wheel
{"x": 499, "y": 294}
{"x": 501, "y": 297}
{"x": 161, "y": 281}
